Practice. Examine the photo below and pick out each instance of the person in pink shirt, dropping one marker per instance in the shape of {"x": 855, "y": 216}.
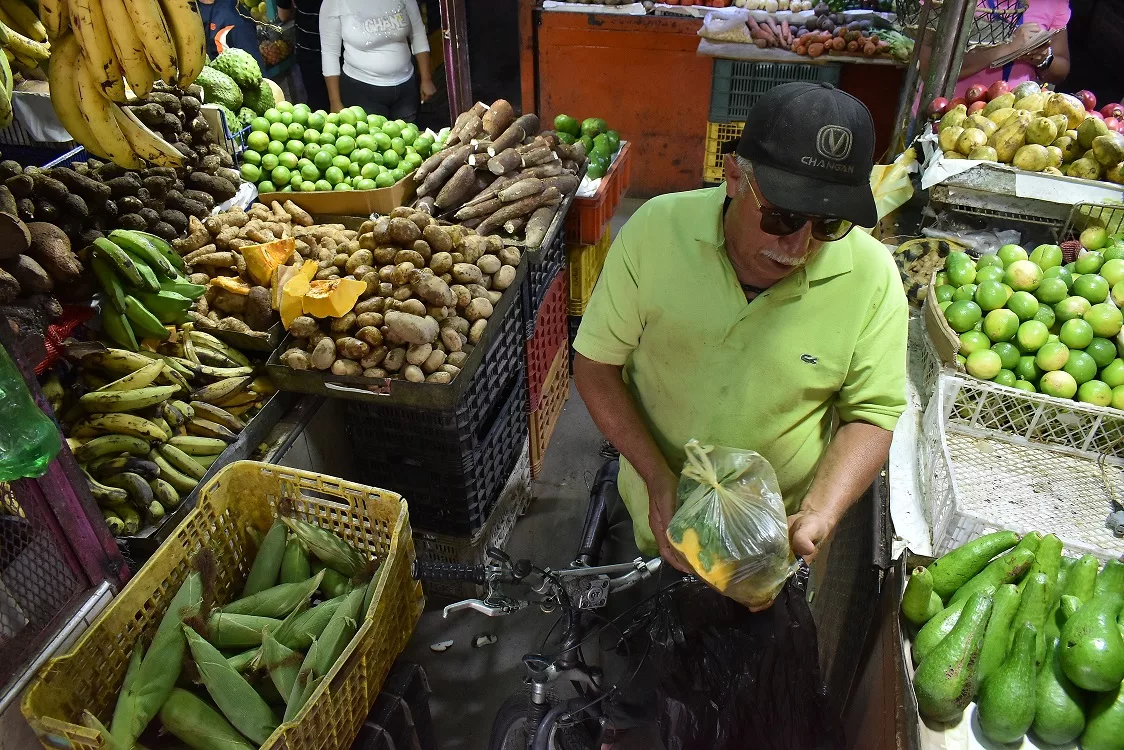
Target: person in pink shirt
{"x": 1049, "y": 63}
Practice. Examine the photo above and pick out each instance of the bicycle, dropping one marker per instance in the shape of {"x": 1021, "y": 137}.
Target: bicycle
{"x": 537, "y": 719}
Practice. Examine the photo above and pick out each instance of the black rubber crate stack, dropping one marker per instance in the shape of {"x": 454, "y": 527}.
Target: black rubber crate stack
{"x": 450, "y": 464}
{"x": 540, "y": 273}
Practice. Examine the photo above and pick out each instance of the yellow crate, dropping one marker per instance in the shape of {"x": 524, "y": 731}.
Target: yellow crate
{"x": 717, "y": 134}
{"x": 584, "y": 264}
{"x": 555, "y": 392}
{"x": 242, "y": 496}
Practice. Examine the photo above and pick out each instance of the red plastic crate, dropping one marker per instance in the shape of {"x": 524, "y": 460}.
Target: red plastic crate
{"x": 551, "y": 330}
{"x": 589, "y": 216}
{"x": 544, "y": 419}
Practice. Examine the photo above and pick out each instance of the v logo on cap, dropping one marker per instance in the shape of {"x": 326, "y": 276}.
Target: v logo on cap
{"x": 834, "y": 142}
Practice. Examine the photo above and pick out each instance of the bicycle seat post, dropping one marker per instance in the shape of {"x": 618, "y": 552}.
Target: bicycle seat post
{"x": 597, "y": 515}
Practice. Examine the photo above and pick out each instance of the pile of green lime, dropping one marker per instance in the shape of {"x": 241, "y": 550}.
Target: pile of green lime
{"x": 1030, "y": 322}
{"x": 291, "y": 148}
{"x": 601, "y": 143}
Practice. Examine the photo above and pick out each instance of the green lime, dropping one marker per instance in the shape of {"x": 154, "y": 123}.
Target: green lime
{"x": 286, "y": 117}
{"x": 1118, "y": 397}
{"x": 278, "y": 132}
{"x": 334, "y": 175}
{"x": 265, "y": 186}
{"x": 1118, "y": 294}
{"x": 330, "y": 129}
{"x": 1023, "y": 276}
{"x": 390, "y": 159}
{"x": 397, "y": 173}
{"x": 272, "y": 115}
{"x": 1094, "y": 392}
{"x": 1026, "y": 369}
{"x": 288, "y": 160}
{"x": 987, "y": 261}
{"x": 347, "y": 117}
{"x": 1031, "y": 336}
{"x": 1005, "y": 377}
{"x": 364, "y": 183}
{"x": 962, "y": 273}
{"x": 984, "y": 364}
{"x": 382, "y": 141}
{"x": 322, "y": 160}
{"x": 301, "y": 113}
{"x": 944, "y": 305}
{"x": 259, "y": 125}
{"x": 1059, "y": 384}
{"x": 941, "y": 278}
{"x": 1104, "y": 319}
{"x": 1081, "y": 366}
{"x": 1076, "y": 333}
{"x": 1089, "y": 263}
{"x": 295, "y": 180}
{"x": 1010, "y": 254}
{"x": 353, "y": 169}
{"x": 294, "y": 147}
{"x": 362, "y": 156}
{"x": 323, "y": 184}
{"x": 1071, "y": 307}
{"x": 391, "y": 129}
{"x": 275, "y": 147}
{"x": 249, "y": 172}
{"x": 311, "y": 150}
{"x": 412, "y": 161}
{"x": 988, "y": 273}
{"x": 1102, "y": 351}
{"x": 370, "y": 170}
{"x": 366, "y": 141}
{"x": 1008, "y": 353}
{"x": 1047, "y": 256}
{"x": 285, "y": 106}
{"x": 1001, "y": 325}
{"x": 251, "y": 157}
{"x": 348, "y": 130}
{"x": 945, "y": 292}
{"x": 398, "y": 145}
{"x": 1113, "y": 271}
{"x": 1091, "y": 287}
{"x": 295, "y": 131}
{"x": 409, "y": 135}
{"x": 990, "y": 295}
{"x": 1059, "y": 272}
{"x": 269, "y": 162}
{"x": 345, "y": 144}
{"x": 359, "y": 112}
{"x": 342, "y": 162}
{"x": 1051, "y": 291}
{"x": 1025, "y": 385}
{"x": 961, "y": 316}
{"x": 310, "y": 136}
{"x": 362, "y": 128}
{"x": 310, "y": 172}
{"x": 280, "y": 175}
{"x": 384, "y": 180}
{"x": 1115, "y": 252}
{"x": 308, "y": 186}
{"x": 973, "y": 341}
{"x": 966, "y": 293}
{"x": 341, "y": 186}
{"x": 1023, "y": 304}
{"x": 376, "y": 121}
{"x": 1113, "y": 373}
{"x": 1052, "y": 356}
{"x": 257, "y": 141}
{"x": 318, "y": 119}
{"x": 333, "y": 119}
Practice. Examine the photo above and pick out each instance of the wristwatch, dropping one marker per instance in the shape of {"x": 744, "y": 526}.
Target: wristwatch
{"x": 1045, "y": 64}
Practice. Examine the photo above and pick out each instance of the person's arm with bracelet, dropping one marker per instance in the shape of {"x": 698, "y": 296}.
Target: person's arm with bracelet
{"x": 1051, "y": 61}
{"x": 419, "y": 44}
{"x": 331, "y": 44}
{"x": 982, "y": 57}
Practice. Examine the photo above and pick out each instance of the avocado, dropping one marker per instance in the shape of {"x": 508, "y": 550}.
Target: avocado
{"x": 1006, "y": 703}
{"x": 614, "y": 140}
{"x": 566, "y": 124}
{"x": 1048, "y": 560}
{"x": 1058, "y": 713}
{"x": 1104, "y": 721}
{"x": 941, "y": 624}
{"x": 601, "y": 145}
{"x": 1006, "y": 568}
{"x": 593, "y": 126}
{"x": 1033, "y": 608}
{"x": 953, "y": 570}
{"x": 1092, "y": 648}
{"x": 919, "y": 602}
{"x": 587, "y": 141}
{"x": 567, "y": 138}
{"x": 1054, "y": 621}
{"x": 946, "y": 679}
{"x": 1111, "y": 579}
{"x": 1082, "y": 580}
{"x": 998, "y": 633}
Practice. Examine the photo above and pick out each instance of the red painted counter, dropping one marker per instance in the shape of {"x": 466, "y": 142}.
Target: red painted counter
{"x": 643, "y": 75}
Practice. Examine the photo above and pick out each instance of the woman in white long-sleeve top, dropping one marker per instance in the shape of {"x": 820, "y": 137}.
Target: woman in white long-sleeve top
{"x": 377, "y": 39}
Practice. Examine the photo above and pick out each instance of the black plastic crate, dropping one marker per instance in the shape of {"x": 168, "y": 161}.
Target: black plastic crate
{"x": 738, "y": 84}
{"x": 450, "y": 467}
{"x": 401, "y": 719}
{"x": 541, "y": 270}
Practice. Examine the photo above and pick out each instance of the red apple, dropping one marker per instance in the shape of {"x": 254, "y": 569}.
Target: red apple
{"x": 999, "y": 88}
{"x": 1113, "y": 110}
{"x": 956, "y": 102}
{"x": 938, "y": 107}
{"x": 1095, "y": 114}
{"x": 1088, "y": 98}
{"x": 975, "y": 93}
{"x": 976, "y": 106}
{"x": 1113, "y": 124}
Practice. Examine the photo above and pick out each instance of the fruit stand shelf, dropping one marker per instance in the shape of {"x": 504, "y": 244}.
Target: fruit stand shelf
{"x": 739, "y": 51}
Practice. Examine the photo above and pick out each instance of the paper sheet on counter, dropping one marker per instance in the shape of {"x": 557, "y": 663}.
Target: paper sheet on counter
{"x": 632, "y": 9}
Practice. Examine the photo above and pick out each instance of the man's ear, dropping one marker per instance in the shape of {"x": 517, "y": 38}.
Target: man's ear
{"x": 733, "y": 174}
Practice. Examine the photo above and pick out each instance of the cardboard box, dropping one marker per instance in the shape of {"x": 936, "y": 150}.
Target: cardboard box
{"x": 350, "y": 202}
{"x": 945, "y": 341}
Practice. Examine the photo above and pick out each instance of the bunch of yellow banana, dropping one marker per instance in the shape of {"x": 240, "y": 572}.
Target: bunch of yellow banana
{"x": 23, "y": 39}
{"x": 105, "y": 50}
{"x": 147, "y": 438}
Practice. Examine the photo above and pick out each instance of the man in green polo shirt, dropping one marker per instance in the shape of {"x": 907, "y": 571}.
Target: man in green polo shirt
{"x": 749, "y": 316}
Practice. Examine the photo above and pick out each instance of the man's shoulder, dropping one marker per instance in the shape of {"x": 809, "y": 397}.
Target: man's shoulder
{"x": 872, "y": 257}
{"x": 673, "y": 211}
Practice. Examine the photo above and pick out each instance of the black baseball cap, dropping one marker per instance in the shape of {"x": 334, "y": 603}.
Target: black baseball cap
{"x": 812, "y": 148}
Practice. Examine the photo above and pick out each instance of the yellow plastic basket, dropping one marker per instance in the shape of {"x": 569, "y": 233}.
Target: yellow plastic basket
{"x": 242, "y": 496}
{"x": 584, "y": 264}
{"x": 718, "y": 133}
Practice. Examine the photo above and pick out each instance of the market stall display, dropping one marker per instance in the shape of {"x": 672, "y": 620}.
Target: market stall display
{"x": 601, "y": 143}
{"x": 233, "y": 82}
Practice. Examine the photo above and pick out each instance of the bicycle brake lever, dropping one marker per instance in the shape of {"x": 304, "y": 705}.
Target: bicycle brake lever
{"x": 496, "y": 609}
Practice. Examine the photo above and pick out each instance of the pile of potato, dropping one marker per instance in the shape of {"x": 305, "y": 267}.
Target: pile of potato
{"x": 430, "y": 291}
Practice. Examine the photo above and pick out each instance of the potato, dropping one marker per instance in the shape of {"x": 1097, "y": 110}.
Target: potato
{"x": 404, "y": 231}
{"x": 421, "y": 219}
{"x": 401, "y": 274}
{"x": 325, "y": 274}
{"x": 441, "y": 378}
{"x": 418, "y": 353}
{"x": 385, "y": 288}
{"x": 296, "y": 359}
{"x": 410, "y": 256}
{"x": 412, "y": 329}
{"x": 455, "y": 359}
{"x": 353, "y": 348}
{"x": 438, "y": 238}
{"x": 441, "y": 263}
{"x": 478, "y": 291}
{"x": 432, "y": 290}
{"x": 451, "y": 340}
{"x": 386, "y": 273}
{"x": 466, "y": 273}
{"x": 503, "y": 278}
{"x": 477, "y": 310}
{"x": 401, "y": 212}
{"x": 458, "y": 324}
{"x": 458, "y": 258}
{"x": 414, "y": 374}
{"x": 324, "y": 354}
{"x": 384, "y": 255}
{"x": 411, "y": 306}
{"x": 371, "y": 305}
{"x": 439, "y": 313}
{"x": 494, "y": 297}
{"x": 495, "y": 244}
{"x": 375, "y": 373}
{"x": 359, "y": 258}
{"x": 509, "y": 256}
{"x": 374, "y": 358}
{"x": 370, "y": 332}
{"x": 346, "y": 367}
{"x": 314, "y": 339}
{"x": 394, "y": 360}
{"x": 339, "y": 260}
{"x": 477, "y": 331}
{"x": 433, "y": 362}
{"x": 303, "y": 326}
{"x": 422, "y": 248}
{"x": 462, "y": 295}
{"x": 403, "y": 293}
{"x": 342, "y": 324}
{"x": 489, "y": 264}
{"x": 474, "y": 247}
{"x": 325, "y": 257}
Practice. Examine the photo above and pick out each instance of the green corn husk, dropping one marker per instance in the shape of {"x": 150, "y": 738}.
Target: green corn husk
{"x": 243, "y": 662}
{"x": 91, "y": 722}
{"x": 334, "y": 584}
{"x": 198, "y": 725}
{"x": 295, "y": 565}
{"x": 297, "y": 632}
{"x": 267, "y": 563}
{"x": 282, "y": 663}
{"x": 303, "y": 688}
{"x": 369, "y": 596}
{"x": 326, "y": 649}
{"x": 277, "y": 601}
{"x": 235, "y": 698}
{"x": 327, "y": 546}
{"x": 159, "y": 669}
{"x": 268, "y": 692}
{"x": 225, "y": 630}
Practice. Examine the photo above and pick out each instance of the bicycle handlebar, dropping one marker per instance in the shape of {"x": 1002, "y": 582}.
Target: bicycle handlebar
{"x": 436, "y": 571}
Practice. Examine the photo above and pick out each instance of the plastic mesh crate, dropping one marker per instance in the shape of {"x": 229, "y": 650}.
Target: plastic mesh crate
{"x": 972, "y": 485}
{"x": 512, "y": 503}
{"x": 588, "y": 217}
{"x": 541, "y": 272}
{"x": 1085, "y": 215}
{"x": 550, "y": 334}
{"x": 583, "y": 265}
{"x": 924, "y": 364}
{"x": 544, "y": 419}
{"x": 738, "y": 84}
{"x": 717, "y": 134}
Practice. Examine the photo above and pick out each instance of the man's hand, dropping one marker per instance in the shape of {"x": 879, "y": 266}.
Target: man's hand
{"x": 427, "y": 89}
{"x": 807, "y": 530}
{"x": 661, "y": 507}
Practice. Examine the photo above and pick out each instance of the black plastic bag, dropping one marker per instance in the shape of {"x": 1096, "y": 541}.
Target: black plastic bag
{"x": 731, "y": 679}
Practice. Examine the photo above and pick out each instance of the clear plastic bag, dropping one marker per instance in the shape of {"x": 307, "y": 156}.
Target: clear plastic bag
{"x": 731, "y": 525}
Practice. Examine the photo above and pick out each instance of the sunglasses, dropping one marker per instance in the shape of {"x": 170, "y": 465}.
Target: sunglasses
{"x": 780, "y": 223}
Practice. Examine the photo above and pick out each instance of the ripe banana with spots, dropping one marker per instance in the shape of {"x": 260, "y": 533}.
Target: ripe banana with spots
{"x": 88, "y": 21}
{"x": 129, "y": 47}
{"x": 186, "y": 30}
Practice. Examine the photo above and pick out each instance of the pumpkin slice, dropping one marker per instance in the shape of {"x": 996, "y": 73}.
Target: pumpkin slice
{"x": 292, "y": 299}
{"x": 332, "y": 298}
{"x": 263, "y": 259}
{"x": 282, "y": 274}
{"x": 232, "y": 284}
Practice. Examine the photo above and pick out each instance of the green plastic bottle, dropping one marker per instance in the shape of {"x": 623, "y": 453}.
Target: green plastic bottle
{"x": 29, "y": 440}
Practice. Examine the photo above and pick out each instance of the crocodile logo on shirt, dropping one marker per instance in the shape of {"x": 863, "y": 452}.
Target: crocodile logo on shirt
{"x": 808, "y": 359}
